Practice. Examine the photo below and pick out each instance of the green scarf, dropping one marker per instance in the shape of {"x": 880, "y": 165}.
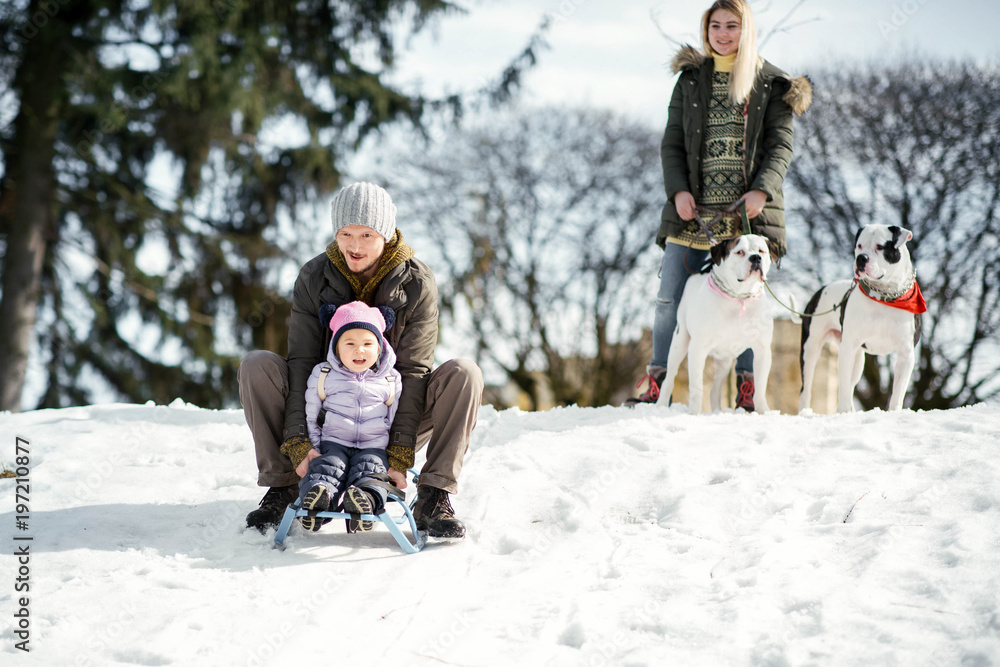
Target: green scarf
{"x": 395, "y": 253}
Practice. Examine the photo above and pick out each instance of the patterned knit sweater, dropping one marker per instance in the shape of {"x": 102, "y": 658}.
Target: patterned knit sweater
{"x": 722, "y": 178}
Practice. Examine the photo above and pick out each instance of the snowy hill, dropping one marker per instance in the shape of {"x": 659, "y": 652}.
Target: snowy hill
{"x": 596, "y": 537}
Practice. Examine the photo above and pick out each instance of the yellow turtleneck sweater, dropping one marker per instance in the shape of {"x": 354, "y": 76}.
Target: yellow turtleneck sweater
{"x": 724, "y": 63}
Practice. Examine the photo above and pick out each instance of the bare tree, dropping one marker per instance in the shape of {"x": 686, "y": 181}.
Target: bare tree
{"x": 542, "y": 225}
{"x": 779, "y": 26}
{"x": 917, "y": 145}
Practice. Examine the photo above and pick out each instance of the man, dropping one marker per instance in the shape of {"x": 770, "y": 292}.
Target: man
{"x": 368, "y": 261}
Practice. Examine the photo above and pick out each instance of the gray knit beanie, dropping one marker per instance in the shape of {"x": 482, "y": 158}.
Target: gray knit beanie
{"x": 364, "y": 204}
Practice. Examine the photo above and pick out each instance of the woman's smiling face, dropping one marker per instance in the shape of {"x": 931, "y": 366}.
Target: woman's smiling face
{"x": 724, "y": 32}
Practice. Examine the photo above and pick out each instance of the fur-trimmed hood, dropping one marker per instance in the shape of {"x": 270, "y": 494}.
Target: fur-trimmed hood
{"x": 798, "y": 97}
{"x": 687, "y": 58}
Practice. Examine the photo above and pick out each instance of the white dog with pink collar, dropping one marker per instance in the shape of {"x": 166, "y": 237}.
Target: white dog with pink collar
{"x": 721, "y": 314}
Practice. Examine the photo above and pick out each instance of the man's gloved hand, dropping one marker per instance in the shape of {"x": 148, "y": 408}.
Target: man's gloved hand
{"x": 401, "y": 451}
{"x": 296, "y": 448}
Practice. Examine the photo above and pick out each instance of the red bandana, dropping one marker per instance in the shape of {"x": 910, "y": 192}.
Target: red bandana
{"x": 912, "y": 301}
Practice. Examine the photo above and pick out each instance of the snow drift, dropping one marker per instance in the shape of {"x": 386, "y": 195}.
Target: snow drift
{"x": 602, "y": 536}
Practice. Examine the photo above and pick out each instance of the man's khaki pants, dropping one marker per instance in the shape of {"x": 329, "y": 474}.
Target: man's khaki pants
{"x": 454, "y": 392}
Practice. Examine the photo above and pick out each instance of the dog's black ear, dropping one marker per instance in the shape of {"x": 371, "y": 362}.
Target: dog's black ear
{"x": 856, "y": 237}
{"x": 720, "y": 251}
{"x": 900, "y": 236}
{"x": 890, "y": 249}
{"x": 773, "y": 250}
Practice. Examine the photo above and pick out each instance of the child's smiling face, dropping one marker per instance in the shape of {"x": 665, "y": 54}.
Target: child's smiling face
{"x": 357, "y": 349}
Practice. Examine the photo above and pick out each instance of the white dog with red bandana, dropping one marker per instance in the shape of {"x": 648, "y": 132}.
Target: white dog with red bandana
{"x": 721, "y": 314}
{"x": 878, "y": 312}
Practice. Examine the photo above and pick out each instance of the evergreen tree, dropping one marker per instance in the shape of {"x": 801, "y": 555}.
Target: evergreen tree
{"x": 103, "y": 88}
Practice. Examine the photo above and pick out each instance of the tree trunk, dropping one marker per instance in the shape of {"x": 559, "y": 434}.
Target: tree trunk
{"x": 31, "y": 184}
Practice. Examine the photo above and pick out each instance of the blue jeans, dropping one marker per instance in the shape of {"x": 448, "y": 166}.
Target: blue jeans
{"x": 679, "y": 263}
{"x": 339, "y": 467}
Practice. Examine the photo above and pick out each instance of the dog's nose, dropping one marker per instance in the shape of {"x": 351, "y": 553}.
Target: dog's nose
{"x": 862, "y": 260}
{"x": 755, "y": 259}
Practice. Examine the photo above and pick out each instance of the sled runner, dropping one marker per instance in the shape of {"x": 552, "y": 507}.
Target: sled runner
{"x": 397, "y": 496}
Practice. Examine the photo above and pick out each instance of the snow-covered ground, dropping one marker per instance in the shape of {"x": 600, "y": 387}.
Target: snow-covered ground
{"x": 601, "y": 536}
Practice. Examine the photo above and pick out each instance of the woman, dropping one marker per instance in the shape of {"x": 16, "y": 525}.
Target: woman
{"x": 728, "y": 138}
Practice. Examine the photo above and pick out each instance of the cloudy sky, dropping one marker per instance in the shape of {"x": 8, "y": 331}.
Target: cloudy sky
{"x": 613, "y": 54}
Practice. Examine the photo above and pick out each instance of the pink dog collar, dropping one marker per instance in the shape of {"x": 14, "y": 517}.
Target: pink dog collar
{"x": 718, "y": 290}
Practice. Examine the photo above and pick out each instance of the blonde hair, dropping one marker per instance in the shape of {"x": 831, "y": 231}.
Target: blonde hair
{"x": 747, "y": 63}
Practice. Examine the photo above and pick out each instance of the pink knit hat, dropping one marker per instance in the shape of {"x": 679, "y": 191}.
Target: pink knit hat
{"x": 359, "y": 315}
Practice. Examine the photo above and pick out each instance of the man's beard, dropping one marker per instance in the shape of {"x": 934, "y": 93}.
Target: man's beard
{"x": 368, "y": 268}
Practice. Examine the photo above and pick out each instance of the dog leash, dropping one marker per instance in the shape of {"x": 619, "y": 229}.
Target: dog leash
{"x": 740, "y": 206}
{"x": 737, "y": 206}
{"x": 795, "y": 312}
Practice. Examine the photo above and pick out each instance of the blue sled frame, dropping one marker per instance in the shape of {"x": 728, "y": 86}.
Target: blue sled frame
{"x": 410, "y": 546}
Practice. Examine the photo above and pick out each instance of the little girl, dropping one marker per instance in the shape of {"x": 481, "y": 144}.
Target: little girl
{"x": 350, "y": 404}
